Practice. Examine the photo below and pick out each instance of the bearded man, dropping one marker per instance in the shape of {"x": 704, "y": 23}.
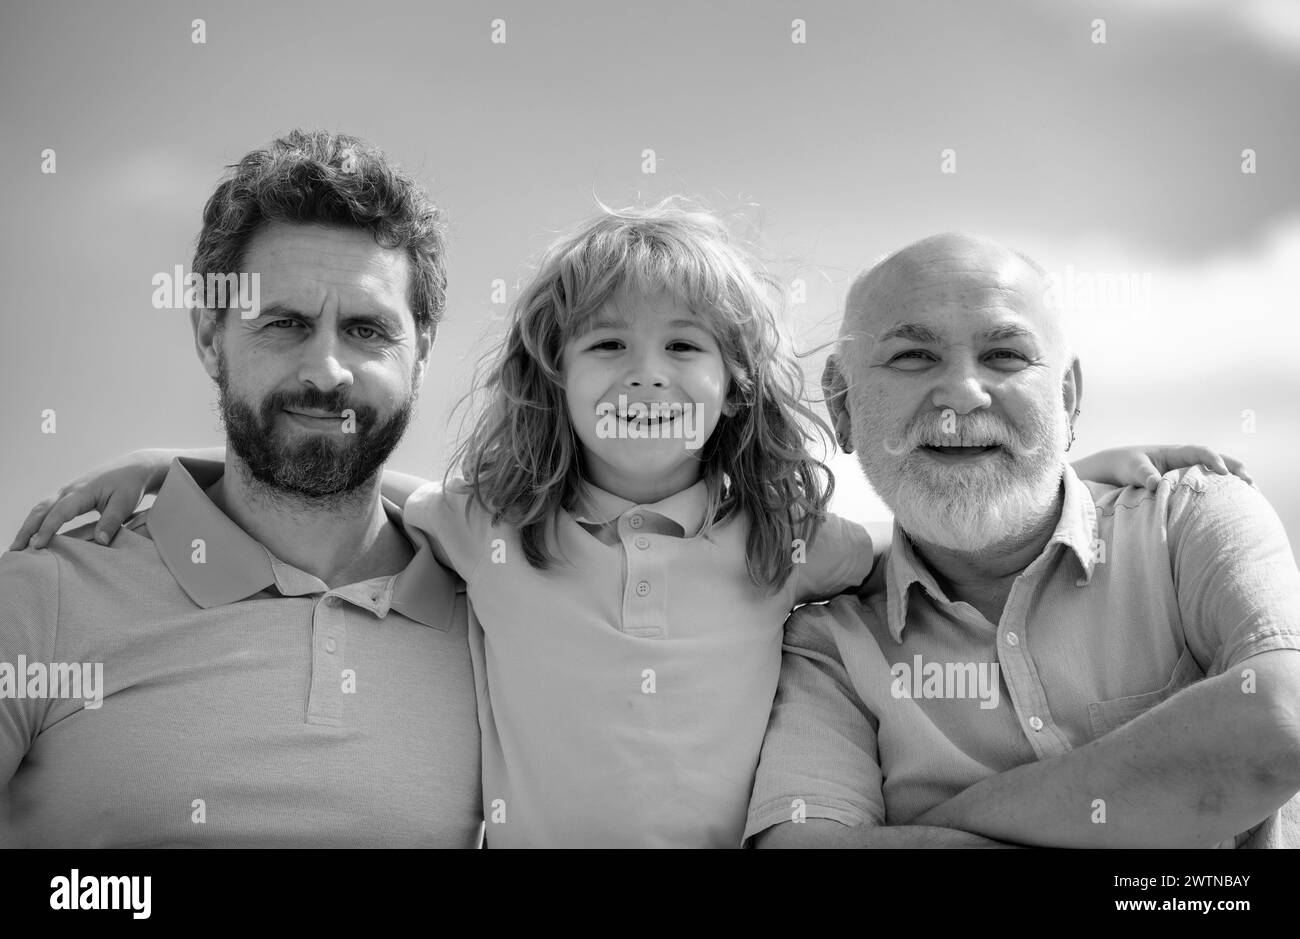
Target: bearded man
{"x": 1040, "y": 661}
{"x": 283, "y": 664}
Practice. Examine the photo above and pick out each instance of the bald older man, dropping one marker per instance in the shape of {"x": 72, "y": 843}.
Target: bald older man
{"x": 1040, "y": 661}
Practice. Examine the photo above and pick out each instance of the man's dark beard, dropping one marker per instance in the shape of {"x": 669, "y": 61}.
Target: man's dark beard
{"x": 320, "y": 466}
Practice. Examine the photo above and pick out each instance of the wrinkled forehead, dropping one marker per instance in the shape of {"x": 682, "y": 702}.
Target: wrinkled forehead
{"x": 309, "y": 265}
{"x": 956, "y": 291}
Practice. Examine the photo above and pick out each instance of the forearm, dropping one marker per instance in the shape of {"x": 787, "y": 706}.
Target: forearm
{"x": 825, "y": 833}
{"x": 398, "y": 487}
{"x": 1203, "y": 766}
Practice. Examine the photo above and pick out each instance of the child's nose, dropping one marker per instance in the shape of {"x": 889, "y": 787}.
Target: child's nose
{"x": 647, "y": 372}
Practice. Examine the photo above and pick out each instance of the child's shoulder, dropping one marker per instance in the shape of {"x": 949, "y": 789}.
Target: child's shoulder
{"x": 434, "y": 505}
{"x": 836, "y": 529}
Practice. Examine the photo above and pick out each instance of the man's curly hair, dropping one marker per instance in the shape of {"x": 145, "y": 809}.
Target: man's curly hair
{"x": 321, "y": 178}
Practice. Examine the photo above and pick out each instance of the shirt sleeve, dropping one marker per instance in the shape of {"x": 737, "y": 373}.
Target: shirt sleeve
{"x": 819, "y": 757}
{"x": 1238, "y": 587}
{"x": 29, "y": 610}
{"x": 839, "y": 559}
{"x": 459, "y": 541}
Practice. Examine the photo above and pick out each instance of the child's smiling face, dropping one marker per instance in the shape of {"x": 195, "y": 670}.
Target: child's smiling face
{"x": 645, "y": 386}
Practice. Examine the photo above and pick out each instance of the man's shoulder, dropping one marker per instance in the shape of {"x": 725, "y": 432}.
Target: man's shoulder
{"x": 1179, "y": 491}
{"x": 75, "y": 555}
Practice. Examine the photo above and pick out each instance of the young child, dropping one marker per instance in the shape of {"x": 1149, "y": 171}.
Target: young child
{"x": 637, "y": 515}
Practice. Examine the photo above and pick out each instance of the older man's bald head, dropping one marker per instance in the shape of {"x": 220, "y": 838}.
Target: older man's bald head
{"x": 957, "y": 271}
{"x": 955, "y": 385}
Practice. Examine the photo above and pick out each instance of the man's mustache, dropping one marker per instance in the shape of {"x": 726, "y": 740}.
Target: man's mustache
{"x": 969, "y": 432}
{"x": 309, "y": 400}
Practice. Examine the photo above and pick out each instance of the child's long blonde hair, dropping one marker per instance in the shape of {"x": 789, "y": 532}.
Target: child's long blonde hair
{"x": 522, "y": 459}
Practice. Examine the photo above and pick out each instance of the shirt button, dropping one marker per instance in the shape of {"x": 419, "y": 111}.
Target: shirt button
{"x": 331, "y": 645}
{"x": 643, "y": 588}
{"x": 1013, "y": 639}
{"x": 642, "y": 542}
{"x": 1036, "y": 722}
{"x": 636, "y": 521}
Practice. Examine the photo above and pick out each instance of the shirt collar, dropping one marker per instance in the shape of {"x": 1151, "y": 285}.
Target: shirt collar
{"x": 686, "y": 508}
{"x": 235, "y": 566}
{"x": 1076, "y": 529}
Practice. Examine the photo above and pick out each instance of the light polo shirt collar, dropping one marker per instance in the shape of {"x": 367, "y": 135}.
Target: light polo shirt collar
{"x": 235, "y": 566}
{"x": 685, "y": 509}
{"x": 1077, "y": 530}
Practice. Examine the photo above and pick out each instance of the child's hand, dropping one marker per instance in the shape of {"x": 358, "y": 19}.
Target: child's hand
{"x": 113, "y": 491}
{"x": 1143, "y": 466}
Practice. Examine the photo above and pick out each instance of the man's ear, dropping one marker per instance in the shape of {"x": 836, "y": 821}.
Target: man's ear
{"x": 835, "y": 390}
{"x": 1072, "y": 390}
{"x": 423, "y": 347}
{"x": 207, "y": 333}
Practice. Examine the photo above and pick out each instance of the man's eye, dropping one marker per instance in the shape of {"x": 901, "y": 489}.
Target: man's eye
{"x": 916, "y": 356}
{"x": 283, "y": 322}
{"x": 1008, "y": 356}
{"x": 373, "y": 333}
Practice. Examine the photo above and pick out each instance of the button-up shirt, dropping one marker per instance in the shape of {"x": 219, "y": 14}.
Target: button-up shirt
{"x": 893, "y": 701}
{"x": 623, "y": 692}
{"x": 243, "y": 701}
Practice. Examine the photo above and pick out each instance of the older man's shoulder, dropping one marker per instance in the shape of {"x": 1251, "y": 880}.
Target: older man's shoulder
{"x": 1178, "y": 491}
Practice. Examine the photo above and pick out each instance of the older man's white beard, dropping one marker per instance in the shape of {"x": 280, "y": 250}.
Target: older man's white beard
{"x": 977, "y": 507}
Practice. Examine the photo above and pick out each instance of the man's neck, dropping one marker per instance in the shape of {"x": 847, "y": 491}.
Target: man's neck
{"x": 984, "y": 578}
{"x": 338, "y": 540}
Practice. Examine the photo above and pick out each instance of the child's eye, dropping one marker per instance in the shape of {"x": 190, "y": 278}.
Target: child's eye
{"x": 606, "y": 345}
{"x": 682, "y": 345}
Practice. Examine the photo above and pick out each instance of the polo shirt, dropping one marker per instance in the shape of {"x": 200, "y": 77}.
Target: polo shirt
{"x": 1136, "y": 595}
{"x": 244, "y": 703}
{"x": 623, "y": 693}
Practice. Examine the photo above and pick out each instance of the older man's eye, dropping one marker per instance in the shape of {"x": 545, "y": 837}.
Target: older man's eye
{"x": 1009, "y": 357}
{"x": 912, "y": 359}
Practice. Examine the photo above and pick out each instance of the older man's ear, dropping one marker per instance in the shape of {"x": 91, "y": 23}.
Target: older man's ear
{"x": 1072, "y": 390}
{"x": 835, "y": 390}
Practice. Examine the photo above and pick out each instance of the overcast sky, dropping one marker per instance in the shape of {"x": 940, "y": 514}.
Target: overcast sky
{"x": 1121, "y": 158}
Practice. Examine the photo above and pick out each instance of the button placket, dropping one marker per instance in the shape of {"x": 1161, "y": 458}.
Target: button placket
{"x": 1028, "y": 697}
{"x": 645, "y": 594}
{"x": 328, "y": 643}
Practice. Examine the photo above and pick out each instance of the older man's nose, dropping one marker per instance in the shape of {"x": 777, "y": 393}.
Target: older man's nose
{"x": 961, "y": 388}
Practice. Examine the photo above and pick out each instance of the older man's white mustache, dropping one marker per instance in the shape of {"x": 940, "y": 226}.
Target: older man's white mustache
{"x": 904, "y": 446}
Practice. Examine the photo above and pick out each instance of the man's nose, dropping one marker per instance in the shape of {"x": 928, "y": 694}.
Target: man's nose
{"x": 321, "y": 365}
{"x": 961, "y": 388}
{"x": 647, "y": 371}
